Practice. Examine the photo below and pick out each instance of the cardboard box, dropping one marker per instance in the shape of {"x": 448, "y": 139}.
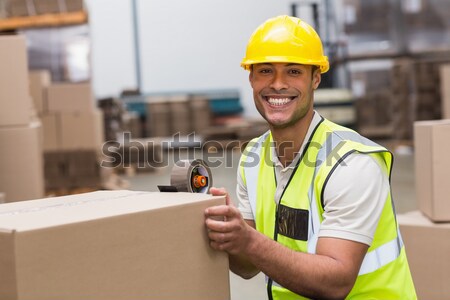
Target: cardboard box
{"x": 52, "y": 135}
{"x": 70, "y": 97}
{"x": 15, "y": 101}
{"x": 82, "y": 130}
{"x": 2, "y": 197}
{"x": 56, "y": 166}
{"x": 432, "y": 165}
{"x": 40, "y": 80}
{"x": 427, "y": 247}
{"x": 445, "y": 90}
{"x": 21, "y": 175}
{"x": 111, "y": 245}
{"x": 159, "y": 122}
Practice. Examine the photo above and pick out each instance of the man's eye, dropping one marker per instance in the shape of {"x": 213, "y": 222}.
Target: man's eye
{"x": 295, "y": 72}
{"x": 265, "y": 71}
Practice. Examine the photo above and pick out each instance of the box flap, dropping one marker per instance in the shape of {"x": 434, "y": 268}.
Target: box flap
{"x": 43, "y": 213}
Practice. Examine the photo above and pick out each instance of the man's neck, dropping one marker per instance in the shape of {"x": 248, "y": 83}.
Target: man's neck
{"x": 288, "y": 141}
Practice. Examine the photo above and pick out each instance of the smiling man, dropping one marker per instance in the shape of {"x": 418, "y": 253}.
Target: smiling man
{"x": 315, "y": 209}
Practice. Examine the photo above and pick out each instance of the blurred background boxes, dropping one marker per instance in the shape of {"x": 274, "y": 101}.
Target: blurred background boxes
{"x": 432, "y": 161}
{"x": 82, "y": 130}
{"x": 159, "y": 117}
{"x": 21, "y": 165}
{"x": 39, "y": 80}
{"x": 15, "y": 101}
{"x": 70, "y": 97}
{"x": 445, "y": 90}
{"x": 427, "y": 248}
{"x": 180, "y": 115}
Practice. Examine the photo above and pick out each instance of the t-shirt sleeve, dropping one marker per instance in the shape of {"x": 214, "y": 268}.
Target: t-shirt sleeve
{"x": 354, "y": 198}
{"x": 242, "y": 196}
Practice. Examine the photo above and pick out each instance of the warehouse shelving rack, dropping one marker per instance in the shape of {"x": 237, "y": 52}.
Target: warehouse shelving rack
{"x": 47, "y": 20}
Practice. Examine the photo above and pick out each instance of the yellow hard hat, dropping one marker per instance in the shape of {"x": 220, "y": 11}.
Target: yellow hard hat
{"x": 288, "y": 40}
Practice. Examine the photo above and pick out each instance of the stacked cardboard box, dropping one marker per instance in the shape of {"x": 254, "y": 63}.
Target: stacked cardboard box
{"x": 177, "y": 114}
{"x": 117, "y": 119}
{"x": 143, "y": 154}
{"x": 158, "y": 117}
{"x": 402, "y": 108}
{"x": 71, "y": 121}
{"x": 132, "y": 123}
{"x": 426, "y": 233}
{"x": 201, "y": 113}
{"x": 180, "y": 115}
{"x": 72, "y": 130}
{"x": 427, "y": 90}
{"x": 40, "y": 80}
{"x": 445, "y": 90}
{"x": 21, "y": 175}
{"x": 416, "y": 94}
{"x": 111, "y": 245}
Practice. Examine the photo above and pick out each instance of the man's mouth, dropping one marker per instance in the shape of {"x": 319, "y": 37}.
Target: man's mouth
{"x": 278, "y": 101}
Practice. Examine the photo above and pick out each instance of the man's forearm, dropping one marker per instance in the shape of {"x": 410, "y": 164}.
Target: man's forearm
{"x": 310, "y": 275}
{"x": 242, "y": 266}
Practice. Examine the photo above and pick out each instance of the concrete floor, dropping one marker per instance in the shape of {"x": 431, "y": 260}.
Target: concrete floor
{"x": 225, "y": 176}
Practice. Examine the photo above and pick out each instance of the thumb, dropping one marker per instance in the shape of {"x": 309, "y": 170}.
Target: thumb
{"x": 221, "y": 192}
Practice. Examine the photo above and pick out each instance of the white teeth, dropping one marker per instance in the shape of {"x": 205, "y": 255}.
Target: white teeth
{"x": 278, "y": 101}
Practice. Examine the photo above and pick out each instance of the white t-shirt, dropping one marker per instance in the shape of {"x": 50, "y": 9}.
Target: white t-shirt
{"x": 353, "y": 198}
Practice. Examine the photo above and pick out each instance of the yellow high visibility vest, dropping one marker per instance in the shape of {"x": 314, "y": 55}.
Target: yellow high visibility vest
{"x": 295, "y": 222}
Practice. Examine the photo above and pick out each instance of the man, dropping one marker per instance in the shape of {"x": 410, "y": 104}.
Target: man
{"x": 315, "y": 211}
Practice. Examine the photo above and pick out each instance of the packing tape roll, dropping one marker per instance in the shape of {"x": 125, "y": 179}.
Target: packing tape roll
{"x": 193, "y": 176}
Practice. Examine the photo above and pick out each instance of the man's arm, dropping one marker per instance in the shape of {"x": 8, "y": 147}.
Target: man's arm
{"x": 241, "y": 265}
{"x": 330, "y": 273}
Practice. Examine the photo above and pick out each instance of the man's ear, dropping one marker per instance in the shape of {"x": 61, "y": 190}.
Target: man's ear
{"x": 250, "y": 77}
{"x": 317, "y": 78}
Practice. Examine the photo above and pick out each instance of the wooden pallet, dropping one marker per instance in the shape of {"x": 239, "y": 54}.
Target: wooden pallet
{"x": 48, "y": 20}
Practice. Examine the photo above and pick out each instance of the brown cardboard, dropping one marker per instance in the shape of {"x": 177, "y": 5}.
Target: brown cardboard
{"x": 15, "y": 101}
{"x": 70, "y": 97}
{"x": 432, "y": 165}
{"x": 40, "y": 80}
{"x": 82, "y": 130}
{"x": 427, "y": 247}
{"x": 445, "y": 90}
{"x": 21, "y": 175}
{"x": 51, "y": 125}
{"x": 111, "y": 245}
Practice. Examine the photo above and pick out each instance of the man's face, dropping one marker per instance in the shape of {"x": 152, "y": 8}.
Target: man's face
{"x": 283, "y": 93}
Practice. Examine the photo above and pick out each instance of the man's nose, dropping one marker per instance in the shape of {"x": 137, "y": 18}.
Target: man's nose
{"x": 278, "y": 82}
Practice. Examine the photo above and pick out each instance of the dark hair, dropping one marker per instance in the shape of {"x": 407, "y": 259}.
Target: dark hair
{"x": 313, "y": 70}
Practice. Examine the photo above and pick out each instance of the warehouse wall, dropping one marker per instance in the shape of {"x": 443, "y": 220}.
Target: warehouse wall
{"x": 185, "y": 45}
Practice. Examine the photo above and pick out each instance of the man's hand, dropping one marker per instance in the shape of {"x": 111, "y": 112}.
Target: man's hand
{"x": 227, "y": 230}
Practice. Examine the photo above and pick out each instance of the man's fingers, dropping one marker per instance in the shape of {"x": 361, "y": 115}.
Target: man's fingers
{"x": 218, "y": 191}
{"x": 221, "y": 192}
{"x": 221, "y": 210}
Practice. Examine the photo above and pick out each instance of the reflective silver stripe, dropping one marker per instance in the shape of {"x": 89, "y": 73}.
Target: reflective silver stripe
{"x": 382, "y": 255}
{"x": 251, "y": 172}
{"x": 333, "y": 140}
{"x": 314, "y": 221}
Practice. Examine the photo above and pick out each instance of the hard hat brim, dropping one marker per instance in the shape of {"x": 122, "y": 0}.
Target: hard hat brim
{"x": 322, "y": 63}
